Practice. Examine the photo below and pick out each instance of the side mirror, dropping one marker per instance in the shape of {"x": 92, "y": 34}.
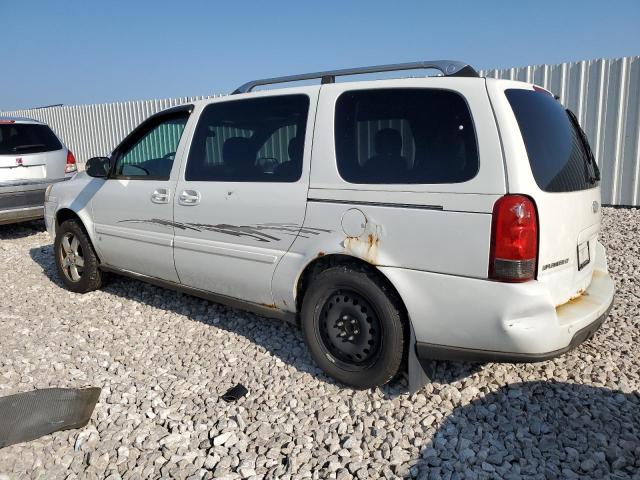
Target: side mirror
{"x": 98, "y": 167}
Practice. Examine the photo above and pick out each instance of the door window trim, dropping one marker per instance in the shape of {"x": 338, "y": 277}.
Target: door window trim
{"x": 139, "y": 132}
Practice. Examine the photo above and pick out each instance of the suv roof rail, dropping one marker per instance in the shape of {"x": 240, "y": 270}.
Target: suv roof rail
{"x": 449, "y": 68}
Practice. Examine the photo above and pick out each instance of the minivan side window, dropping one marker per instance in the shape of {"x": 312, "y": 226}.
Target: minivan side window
{"x": 405, "y": 136}
{"x": 150, "y": 155}
{"x": 256, "y": 140}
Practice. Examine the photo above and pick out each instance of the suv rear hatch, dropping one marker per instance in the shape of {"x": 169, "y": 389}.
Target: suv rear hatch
{"x": 565, "y": 190}
{"x": 29, "y": 152}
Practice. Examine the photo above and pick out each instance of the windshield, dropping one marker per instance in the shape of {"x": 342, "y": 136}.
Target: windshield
{"x": 23, "y": 138}
{"x": 558, "y": 151}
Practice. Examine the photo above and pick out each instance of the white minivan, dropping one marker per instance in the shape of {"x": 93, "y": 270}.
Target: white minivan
{"x": 401, "y": 220}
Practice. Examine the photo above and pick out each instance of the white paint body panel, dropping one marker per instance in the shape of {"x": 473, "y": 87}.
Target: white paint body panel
{"x": 124, "y": 241}
{"x": 74, "y": 195}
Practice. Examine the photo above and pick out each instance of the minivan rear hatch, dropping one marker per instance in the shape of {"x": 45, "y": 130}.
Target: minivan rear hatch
{"x": 564, "y": 188}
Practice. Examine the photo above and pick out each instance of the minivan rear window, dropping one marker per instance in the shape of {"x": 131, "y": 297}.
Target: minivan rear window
{"x": 559, "y": 155}
{"x": 405, "y": 136}
{"x": 23, "y": 138}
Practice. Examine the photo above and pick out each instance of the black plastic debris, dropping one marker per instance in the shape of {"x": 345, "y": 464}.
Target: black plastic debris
{"x": 235, "y": 393}
{"x": 29, "y": 415}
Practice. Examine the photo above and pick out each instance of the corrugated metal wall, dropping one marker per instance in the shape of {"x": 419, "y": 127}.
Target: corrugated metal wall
{"x": 95, "y": 130}
{"x": 604, "y": 94}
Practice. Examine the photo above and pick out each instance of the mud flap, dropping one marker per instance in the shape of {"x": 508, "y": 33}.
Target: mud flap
{"x": 27, "y": 416}
{"x": 418, "y": 378}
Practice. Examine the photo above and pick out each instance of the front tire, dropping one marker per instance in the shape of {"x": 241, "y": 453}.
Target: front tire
{"x": 76, "y": 261}
{"x": 354, "y": 326}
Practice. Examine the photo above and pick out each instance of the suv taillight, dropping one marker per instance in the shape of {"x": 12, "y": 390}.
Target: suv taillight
{"x": 514, "y": 240}
{"x": 71, "y": 163}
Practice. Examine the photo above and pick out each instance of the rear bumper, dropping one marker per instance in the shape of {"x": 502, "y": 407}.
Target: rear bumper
{"x": 22, "y": 201}
{"x": 457, "y": 318}
{"x": 428, "y": 351}
{"x": 23, "y": 214}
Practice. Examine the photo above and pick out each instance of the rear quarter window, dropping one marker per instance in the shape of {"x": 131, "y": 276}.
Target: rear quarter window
{"x": 560, "y": 160}
{"x": 24, "y": 138}
{"x": 405, "y": 136}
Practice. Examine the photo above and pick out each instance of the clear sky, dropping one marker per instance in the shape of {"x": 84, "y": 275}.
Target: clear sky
{"x": 75, "y": 52}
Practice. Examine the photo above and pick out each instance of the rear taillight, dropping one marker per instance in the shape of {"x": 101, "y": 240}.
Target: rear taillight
{"x": 514, "y": 240}
{"x": 71, "y": 163}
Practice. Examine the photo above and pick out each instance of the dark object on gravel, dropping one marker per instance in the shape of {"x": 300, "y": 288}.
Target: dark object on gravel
{"x": 235, "y": 393}
{"x": 29, "y": 415}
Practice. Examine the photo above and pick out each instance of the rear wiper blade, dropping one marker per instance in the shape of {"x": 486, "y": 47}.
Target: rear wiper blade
{"x": 20, "y": 148}
{"x": 591, "y": 158}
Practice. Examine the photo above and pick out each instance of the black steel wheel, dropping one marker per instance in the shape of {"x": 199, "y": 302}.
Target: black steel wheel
{"x": 350, "y": 328}
{"x": 354, "y": 325}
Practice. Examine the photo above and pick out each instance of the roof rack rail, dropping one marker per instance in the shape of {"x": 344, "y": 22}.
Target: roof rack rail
{"x": 449, "y": 68}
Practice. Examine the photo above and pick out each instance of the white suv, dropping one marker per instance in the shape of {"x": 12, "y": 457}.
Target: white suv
{"x": 450, "y": 217}
{"x": 31, "y": 158}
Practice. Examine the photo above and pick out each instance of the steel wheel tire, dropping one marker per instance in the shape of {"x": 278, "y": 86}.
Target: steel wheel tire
{"x": 354, "y": 326}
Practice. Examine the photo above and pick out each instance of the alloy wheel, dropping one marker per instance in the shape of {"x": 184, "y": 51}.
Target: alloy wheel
{"x": 71, "y": 257}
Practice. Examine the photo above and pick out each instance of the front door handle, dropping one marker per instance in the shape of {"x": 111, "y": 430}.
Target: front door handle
{"x": 160, "y": 195}
{"x": 189, "y": 197}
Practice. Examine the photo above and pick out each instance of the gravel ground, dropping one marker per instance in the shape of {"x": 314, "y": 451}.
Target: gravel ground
{"x": 163, "y": 359}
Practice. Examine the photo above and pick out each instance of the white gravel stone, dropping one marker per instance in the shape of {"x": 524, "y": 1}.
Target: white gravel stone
{"x": 163, "y": 359}
{"x": 222, "y": 438}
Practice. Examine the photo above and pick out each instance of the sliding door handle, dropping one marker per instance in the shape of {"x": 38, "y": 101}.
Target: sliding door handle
{"x": 189, "y": 197}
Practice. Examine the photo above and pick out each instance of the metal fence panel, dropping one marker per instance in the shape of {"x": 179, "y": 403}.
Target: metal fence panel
{"x": 95, "y": 130}
{"x": 603, "y": 93}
